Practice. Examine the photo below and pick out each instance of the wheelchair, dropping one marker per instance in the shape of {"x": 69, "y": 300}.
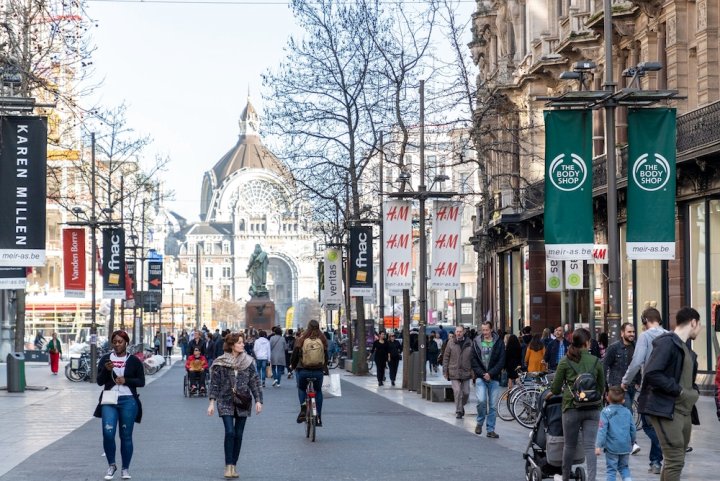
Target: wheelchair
{"x": 202, "y": 391}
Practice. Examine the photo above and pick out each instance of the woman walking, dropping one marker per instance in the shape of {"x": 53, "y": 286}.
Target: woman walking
{"x": 277, "y": 355}
{"x": 54, "y": 348}
{"x": 513, "y": 358}
{"x": 233, "y": 379}
{"x": 535, "y": 354}
{"x": 381, "y": 351}
{"x": 577, "y": 362}
{"x": 121, "y": 372}
{"x": 395, "y": 351}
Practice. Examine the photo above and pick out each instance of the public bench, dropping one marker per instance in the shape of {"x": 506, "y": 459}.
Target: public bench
{"x": 437, "y": 391}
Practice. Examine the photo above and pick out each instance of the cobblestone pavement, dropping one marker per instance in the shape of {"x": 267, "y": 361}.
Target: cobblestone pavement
{"x": 51, "y": 408}
{"x": 370, "y": 432}
{"x": 365, "y": 437}
{"x": 700, "y": 464}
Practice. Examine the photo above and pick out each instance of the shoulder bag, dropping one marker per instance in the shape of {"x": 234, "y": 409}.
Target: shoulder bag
{"x": 241, "y": 397}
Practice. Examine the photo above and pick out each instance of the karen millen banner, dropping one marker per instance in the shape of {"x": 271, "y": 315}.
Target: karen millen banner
{"x": 113, "y": 265}
{"x": 13, "y": 277}
{"x": 23, "y": 150}
{"x": 361, "y": 261}
{"x": 397, "y": 239}
{"x": 651, "y": 184}
{"x": 568, "y": 185}
{"x": 446, "y": 246}
{"x": 74, "y": 262}
{"x": 333, "y": 293}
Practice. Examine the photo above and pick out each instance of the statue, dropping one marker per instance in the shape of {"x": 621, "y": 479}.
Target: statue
{"x": 257, "y": 272}
{"x": 501, "y": 24}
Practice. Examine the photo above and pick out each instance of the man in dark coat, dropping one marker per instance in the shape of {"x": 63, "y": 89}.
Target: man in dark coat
{"x": 668, "y": 393}
{"x": 556, "y": 350}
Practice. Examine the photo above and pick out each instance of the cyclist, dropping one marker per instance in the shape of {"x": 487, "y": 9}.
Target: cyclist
{"x": 309, "y": 360}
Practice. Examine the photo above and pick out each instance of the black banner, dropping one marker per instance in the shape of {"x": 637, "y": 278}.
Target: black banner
{"x": 155, "y": 269}
{"x": 113, "y": 269}
{"x": 23, "y": 189}
{"x": 361, "y": 261}
{"x": 13, "y": 277}
{"x": 149, "y": 301}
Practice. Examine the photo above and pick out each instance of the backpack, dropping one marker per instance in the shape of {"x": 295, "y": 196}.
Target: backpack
{"x": 584, "y": 390}
{"x": 313, "y": 353}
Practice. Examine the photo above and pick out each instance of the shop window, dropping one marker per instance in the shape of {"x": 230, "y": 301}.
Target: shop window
{"x": 713, "y": 326}
{"x": 697, "y": 223}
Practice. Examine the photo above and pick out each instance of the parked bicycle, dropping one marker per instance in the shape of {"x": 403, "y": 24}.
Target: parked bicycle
{"x": 78, "y": 369}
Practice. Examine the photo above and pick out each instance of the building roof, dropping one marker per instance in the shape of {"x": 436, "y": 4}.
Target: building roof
{"x": 210, "y": 229}
{"x": 249, "y": 152}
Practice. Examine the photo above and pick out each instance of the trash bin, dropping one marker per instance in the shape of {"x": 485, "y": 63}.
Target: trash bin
{"x": 16, "y": 372}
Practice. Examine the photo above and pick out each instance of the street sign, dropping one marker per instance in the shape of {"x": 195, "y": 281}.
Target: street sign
{"x": 149, "y": 301}
{"x": 155, "y": 276}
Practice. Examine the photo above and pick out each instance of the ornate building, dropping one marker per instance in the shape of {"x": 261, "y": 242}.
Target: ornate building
{"x": 249, "y": 198}
{"x": 520, "y": 49}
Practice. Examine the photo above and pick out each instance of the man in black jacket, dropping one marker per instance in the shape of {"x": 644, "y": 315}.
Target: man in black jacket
{"x": 668, "y": 393}
{"x": 488, "y": 360}
{"x": 197, "y": 342}
{"x": 617, "y": 360}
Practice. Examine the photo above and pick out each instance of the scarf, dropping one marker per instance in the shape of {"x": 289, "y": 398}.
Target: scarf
{"x": 239, "y": 363}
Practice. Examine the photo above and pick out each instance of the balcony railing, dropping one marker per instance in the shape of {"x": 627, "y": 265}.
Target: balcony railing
{"x": 698, "y": 129}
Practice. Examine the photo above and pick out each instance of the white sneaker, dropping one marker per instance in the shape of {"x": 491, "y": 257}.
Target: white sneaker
{"x": 635, "y": 449}
{"x": 557, "y": 477}
{"x": 275, "y": 382}
{"x": 125, "y": 474}
{"x": 110, "y": 473}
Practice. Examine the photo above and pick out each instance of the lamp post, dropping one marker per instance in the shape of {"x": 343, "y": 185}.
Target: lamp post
{"x": 198, "y": 296}
{"x": 422, "y": 194}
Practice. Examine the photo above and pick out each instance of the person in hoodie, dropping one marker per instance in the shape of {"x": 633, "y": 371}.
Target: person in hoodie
{"x": 262, "y": 352}
{"x": 616, "y": 435}
{"x": 652, "y": 322}
{"x": 487, "y": 361}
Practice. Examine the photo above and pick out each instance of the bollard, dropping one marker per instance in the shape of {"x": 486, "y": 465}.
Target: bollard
{"x": 16, "y": 372}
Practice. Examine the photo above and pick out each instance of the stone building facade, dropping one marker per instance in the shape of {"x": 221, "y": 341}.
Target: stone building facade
{"x": 520, "y": 49}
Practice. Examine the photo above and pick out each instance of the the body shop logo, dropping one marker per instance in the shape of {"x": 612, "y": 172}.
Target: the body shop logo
{"x": 651, "y": 175}
{"x": 568, "y": 174}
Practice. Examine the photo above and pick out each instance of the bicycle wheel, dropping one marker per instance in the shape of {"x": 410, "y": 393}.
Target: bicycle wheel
{"x": 312, "y": 429}
{"x": 334, "y": 361}
{"x": 503, "y": 405}
{"x": 308, "y": 417}
{"x": 370, "y": 361}
{"x": 72, "y": 375}
{"x": 525, "y": 407}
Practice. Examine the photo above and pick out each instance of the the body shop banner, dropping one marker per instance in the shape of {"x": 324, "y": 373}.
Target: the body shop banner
{"x": 568, "y": 185}
{"x": 446, "y": 246}
{"x": 23, "y": 151}
{"x": 74, "y": 262}
{"x": 651, "y": 184}
{"x": 13, "y": 278}
{"x": 333, "y": 293}
{"x": 361, "y": 261}
{"x": 397, "y": 240}
{"x": 113, "y": 263}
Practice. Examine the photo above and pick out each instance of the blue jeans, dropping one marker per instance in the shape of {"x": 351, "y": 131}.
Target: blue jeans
{"x": 124, "y": 412}
{"x": 656, "y": 456}
{"x": 487, "y": 392}
{"x": 629, "y": 396}
{"x": 260, "y": 364}
{"x": 617, "y": 463}
{"x": 302, "y": 376}
{"x": 234, "y": 428}
{"x": 278, "y": 371}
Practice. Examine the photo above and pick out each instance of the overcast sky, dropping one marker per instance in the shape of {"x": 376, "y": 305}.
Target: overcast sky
{"x": 184, "y": 71}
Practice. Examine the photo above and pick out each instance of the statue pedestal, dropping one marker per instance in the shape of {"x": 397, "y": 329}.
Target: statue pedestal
{"x": 260, "y": 313}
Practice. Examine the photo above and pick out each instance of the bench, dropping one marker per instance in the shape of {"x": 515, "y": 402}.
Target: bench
{"x": 437, "y": 391}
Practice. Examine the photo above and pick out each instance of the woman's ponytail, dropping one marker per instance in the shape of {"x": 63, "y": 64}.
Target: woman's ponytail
{"x": 580, "y": 338}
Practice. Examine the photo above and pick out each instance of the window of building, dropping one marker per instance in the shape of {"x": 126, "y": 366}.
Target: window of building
{"x": 227, "y": 272}
{"x": 226, "y": 248}
{"x": 713, "y": 325}
{"x": 226, "y": 292}
{"x": 208, "y": 272}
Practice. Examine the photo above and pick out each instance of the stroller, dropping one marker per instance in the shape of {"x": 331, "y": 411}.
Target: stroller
{"x": 543, "y": 456}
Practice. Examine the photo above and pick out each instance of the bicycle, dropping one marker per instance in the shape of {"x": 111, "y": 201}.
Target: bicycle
{"x": 525, "y": 404}
{"x": 310, "y": 409}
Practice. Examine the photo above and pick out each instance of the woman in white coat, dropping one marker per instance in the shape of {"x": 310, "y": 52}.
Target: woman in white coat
{"x": 261, "y": 349}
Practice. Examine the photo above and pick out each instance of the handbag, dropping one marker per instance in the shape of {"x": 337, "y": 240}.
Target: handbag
{"x": 110, "y": 397}
{"x": 268, "y": 371}
{"x": 241, "y": 398}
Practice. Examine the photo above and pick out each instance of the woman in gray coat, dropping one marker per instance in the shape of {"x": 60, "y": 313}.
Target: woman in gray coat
{"x": 234, "y": 373}
{"x": 278, "y": 346}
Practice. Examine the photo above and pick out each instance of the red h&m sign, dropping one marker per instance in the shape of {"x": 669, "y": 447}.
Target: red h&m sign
{"x": 600, "y": 254}
{"x": 74, "y": 262}
{"x": 446, "y": 246}
{"x": 397, "y": 240}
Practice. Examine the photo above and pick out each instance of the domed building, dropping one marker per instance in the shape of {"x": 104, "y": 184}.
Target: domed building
{"x": 249, "y": 198}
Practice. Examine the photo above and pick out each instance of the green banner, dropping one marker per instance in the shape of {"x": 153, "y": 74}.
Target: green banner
{"x": 651, "y": 184}
{"x": 568, "y": 185}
